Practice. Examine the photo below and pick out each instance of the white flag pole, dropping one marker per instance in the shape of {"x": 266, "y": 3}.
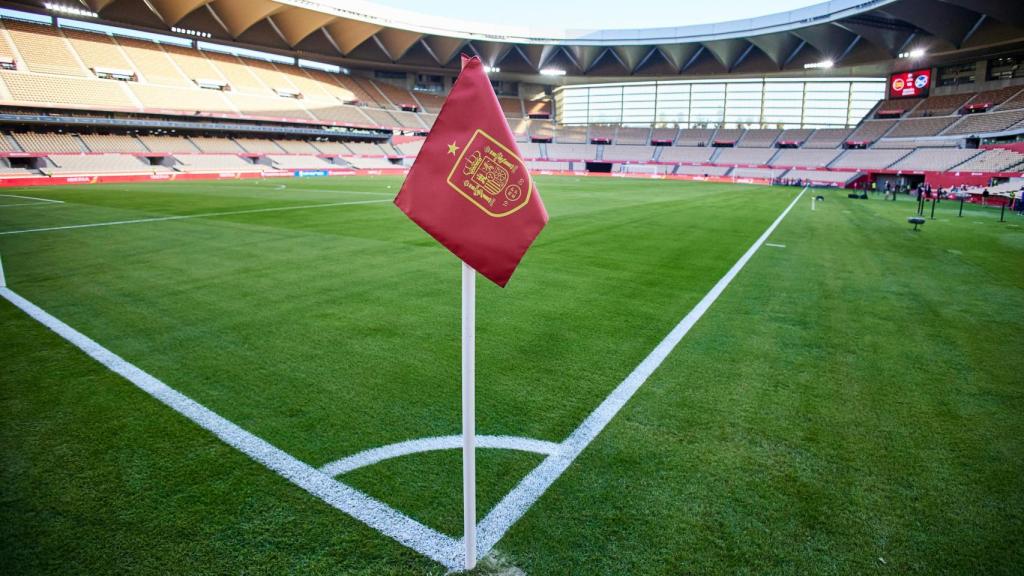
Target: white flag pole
{"x": 469, "y": 413}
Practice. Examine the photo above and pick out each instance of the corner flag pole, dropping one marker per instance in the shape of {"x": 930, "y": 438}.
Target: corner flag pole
{"x": 469, "y": 413}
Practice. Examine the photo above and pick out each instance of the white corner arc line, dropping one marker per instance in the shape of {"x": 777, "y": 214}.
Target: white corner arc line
{"x": 190, "y": 216}
{"x": 381, "y": 453}
{"x": 512, "y": 507}
{"x": 45, "y": 200}
{"x": 364, "y": 508}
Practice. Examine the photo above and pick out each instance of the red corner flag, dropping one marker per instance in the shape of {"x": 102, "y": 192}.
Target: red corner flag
{"x": 469, "y": 187}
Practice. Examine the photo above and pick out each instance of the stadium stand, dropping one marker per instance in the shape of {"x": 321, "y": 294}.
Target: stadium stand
{"x": 43, "y": 49}
{"x": 298, "y": 162}
{"x": 941, "y": 105}
{"x": 572, "y": 151}
{"x": 871, "y": 130}
{"x": 521, "y": 130}
{"x": 757, "y": 138}
{"x": 369, "y": 163}
{"x": 539, "y": 108}
{"x": 744, "y": 155}
{"x": 548, "y": 165}
{"x": 329, "y": 147}
{"x": 1013, "y": 103}
{"x": 827, "y": 138}
{"x": 912, "y": 127}
{"x": 259, "y": 145}
{"x": 995, "y": 160}
{"x": 836, "y": 178}
{"x": 153, "y": 64}
{"x": 542, "y": 129}
{"x": 396, "y": 96}
{"x": 365, "y": 149}
{"x": 986, "y": 122}
{"x": 48, "y": 142}
{"x": 664, "y": 134}
{"x": 804, "y": 158}
{"x": 527, "y": 149}
{"x": 512, "y": 107}
{"x": 798, "y": 135}
{"x": 602, "y": 132}
{"x": 112, "y": 143}
{"x": 164, "y": 143}
{"x": 868, "y": 159}
{"x": 635, "y": 136}
{"x": 97, "y": 50}
{"x": 56, "y": 67}
{"x": 169, "y": 98}
{"x": 431, "y": 102}
{"x": 702, "y": 170}
{"x": 728, "y": 135}
{"x": 995, "y": 98}
{"x": 107, "y": 163}
{"x": 67, "y": 91}
{"x": 214, "y": 163}
{"x": 216, "y": 145}
{"x": 756, "y": 172}
{"x": 933, "y": 159}
{"x": 627, "y": 153}
{"x": 411, "y": 148}
{"x": 571, "y": 135}
{"x": 915, "y": 143}
{"x": 296, "y": 147}
{"x": 900, "y": 107}
{"x": 694, "y": 137}
{"x": 693, "y": 154}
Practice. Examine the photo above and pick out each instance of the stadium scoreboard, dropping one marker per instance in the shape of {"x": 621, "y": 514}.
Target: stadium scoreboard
{"x": 911, "y": 84}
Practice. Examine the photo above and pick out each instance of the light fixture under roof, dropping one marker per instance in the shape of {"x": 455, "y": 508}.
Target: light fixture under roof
{"x": 915, "y": 53}
{"x": 492, "y": 69}
{"x": 824, "y": 64}
{"x": 74, "y": 10}
{"x": 552, "y": 72}
{"x": 190, "y": 32}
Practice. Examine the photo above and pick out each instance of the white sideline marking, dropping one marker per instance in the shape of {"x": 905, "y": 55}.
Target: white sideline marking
{"x": 47, "y": 200}
{"x": 190, "y": 216}
{"x": 774, "y": 245}
{"x": 375, "y": 455}
{"x": 370, "y": 511}
{"x": 3, "y": 280}
{"x": 522, "y": 497}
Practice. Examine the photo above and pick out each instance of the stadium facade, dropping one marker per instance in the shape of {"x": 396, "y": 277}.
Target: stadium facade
{"x": 842, "y": 93}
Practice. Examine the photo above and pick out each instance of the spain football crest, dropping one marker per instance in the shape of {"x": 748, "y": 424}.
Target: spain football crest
{"x": 491, "y": 176}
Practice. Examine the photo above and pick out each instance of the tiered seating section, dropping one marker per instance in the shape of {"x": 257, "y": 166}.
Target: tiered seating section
{"x": 65, "y": 154}
{"x": 59, "y": 68}
{"x": 56, "y": 66}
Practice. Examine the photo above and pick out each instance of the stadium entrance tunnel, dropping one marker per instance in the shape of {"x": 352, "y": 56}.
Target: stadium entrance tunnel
{"x": 599, "y": 167}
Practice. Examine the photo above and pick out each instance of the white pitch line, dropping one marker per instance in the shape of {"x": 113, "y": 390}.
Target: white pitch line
{"x": 379, "y": 454}
{"x": 32, "y": 198}
{"x": 190, "y": 216}
{"x": 522, "y": 497}
{"x": 774, "y": 245}
{"x": 368, "y": 510}
{"x": 28, "y": 204}
{"x": 3, "y": 280}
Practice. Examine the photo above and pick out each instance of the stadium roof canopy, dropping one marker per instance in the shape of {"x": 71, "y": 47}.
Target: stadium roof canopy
{"x": 858, "y": 36}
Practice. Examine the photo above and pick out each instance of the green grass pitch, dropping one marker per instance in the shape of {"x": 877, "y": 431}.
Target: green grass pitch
{"x": 853, "y": 403}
